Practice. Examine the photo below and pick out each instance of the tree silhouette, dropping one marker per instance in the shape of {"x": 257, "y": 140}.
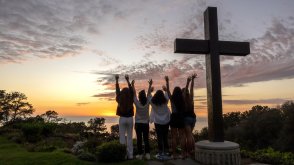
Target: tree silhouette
{"x": 231, "y": 119}
{"x": 14, "y": 105}
{"x": 286, "y": 138}
{"x": 51, "y": 116}
{"x": 97, "y": 125}
{"x": 262, "y": 127}
{"x": 3, "y": 113}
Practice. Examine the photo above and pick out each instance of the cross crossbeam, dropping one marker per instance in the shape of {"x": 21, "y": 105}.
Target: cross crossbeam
{"x": 191, "y": 46}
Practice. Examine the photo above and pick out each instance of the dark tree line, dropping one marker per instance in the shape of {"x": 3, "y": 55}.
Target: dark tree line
{"x": 262, "y": 127}
{"x": 259, "y": 128}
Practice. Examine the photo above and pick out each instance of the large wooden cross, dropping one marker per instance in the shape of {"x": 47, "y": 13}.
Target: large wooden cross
{"x": 213, "y": 48}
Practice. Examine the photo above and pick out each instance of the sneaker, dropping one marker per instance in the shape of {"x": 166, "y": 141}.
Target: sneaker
{"x": 147, "y": 156}
{"x": 167, "y": 154}
{"x": 139, "y": 157}
{"x": 130, "y": 157}
{"x": 159, "y": 156}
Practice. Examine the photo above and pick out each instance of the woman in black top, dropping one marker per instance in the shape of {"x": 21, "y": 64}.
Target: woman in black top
{"x": 177, "y": 117}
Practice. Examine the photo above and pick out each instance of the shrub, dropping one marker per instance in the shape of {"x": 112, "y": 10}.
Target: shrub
{"x": 4, "y": 130}
{"x": 48, "y": 128}
{"x": 87, "y": 156}
{"x": 56, "y": 141}
{"x": 17, "y": 139}
{"x": 30, "y": 147}
{"x": 111, "y": 152}
{"x": 35, "y": 130}
{"x": 33, "y": 147}
{"x": 202, "y": 135}
{"x": 78, "y": 147}
{"x": 32, "y": 131}
{"x": 66, "y": 150}
{"x": 269, "y": 156}
{"x": 91, "y": 144}
{"x": 11, "y": 134}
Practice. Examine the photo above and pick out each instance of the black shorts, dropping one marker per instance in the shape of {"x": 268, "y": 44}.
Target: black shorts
{"x": 177, "y": 120}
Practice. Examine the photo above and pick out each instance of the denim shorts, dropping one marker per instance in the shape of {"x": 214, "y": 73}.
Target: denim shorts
{"x": 191, "y": 121}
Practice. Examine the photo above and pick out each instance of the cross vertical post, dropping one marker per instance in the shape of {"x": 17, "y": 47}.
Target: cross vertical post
{"x": 213, "y": 48}
{"x": 213, "y": 79}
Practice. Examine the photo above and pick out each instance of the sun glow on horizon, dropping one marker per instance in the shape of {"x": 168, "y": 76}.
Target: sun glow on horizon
{"x": 234, "y": 99}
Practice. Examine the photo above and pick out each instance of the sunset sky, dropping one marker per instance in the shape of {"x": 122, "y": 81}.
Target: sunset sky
{"x": 63, "y": 53}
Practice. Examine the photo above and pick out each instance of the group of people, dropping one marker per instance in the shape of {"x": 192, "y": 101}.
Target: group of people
{"x": 181, "y": 118}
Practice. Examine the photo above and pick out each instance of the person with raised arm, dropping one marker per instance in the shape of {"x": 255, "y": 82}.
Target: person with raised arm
{"x": 177, "y": 118}
{"x": 125, "y": 111}
{"x": 160, "y": 116}
{"x": 142, "y": 119}
{"x": 189, "y": 115}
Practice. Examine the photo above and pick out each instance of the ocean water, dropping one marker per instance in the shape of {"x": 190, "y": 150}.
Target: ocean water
{"x": 112, "y": 120}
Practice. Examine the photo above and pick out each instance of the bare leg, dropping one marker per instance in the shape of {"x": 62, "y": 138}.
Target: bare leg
{"x": 183, "y": 142}
{"x": 190, "y": 140}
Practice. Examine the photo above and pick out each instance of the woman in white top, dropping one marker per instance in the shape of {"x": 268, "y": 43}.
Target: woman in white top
{"x": 160, "y": 115}
{"x": 142, "y": 119}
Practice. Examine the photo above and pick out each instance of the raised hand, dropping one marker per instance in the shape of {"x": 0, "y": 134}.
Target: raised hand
{"x": 194, "y": 75}
{"x": 116, "y": 77}
{"x": 150, "y": 88}
{"x": 150, "y": 82}
{"x": 166, "y": 78}
{"x": 127, "y": 77}
{"x": 133, "y": 82}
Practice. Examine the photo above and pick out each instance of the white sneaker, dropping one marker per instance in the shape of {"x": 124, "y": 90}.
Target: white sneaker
{"x": 139, "y": 157}
{"x": 159, "y": 156}
{"x": 147, "y": 156}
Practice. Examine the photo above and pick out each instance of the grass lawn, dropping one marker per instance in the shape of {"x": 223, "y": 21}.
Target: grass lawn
{"x": 14, "y": 154}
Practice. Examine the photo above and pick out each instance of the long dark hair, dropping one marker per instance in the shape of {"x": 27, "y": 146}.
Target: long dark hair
{"x": 142, "y": 97}
{"x": 177, "y": 99}
{"x": 158, "y": 98}
{"x": 188, "y": 102}
{"x": 124, "y": 100}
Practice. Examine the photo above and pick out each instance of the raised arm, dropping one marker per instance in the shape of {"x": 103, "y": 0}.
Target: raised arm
{"x": 167, "y": 86}
{"x": 187, "y": 85}
{"x": 150, "y": 89}
{"x": 129, "y": 85}
{"x": 133, "y": 87}
{"x": 192, "y": 85}
{"x": 128, "y": 81}
{"x": 117, "y": 90}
